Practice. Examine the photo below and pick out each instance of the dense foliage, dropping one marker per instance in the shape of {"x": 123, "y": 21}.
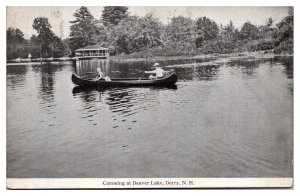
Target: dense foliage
{"x": 146, "y": 36}
{"x": 83, "y": 29}
{"x": 114, "y": 14}
{"x": 206, "y": 29}
{"x": 135, "y": 34}
{"x": 50, "y": 44}
{"x": 249, "y": 32}
{"x": 285, "y": 34}
{"x": 15, "y": 43}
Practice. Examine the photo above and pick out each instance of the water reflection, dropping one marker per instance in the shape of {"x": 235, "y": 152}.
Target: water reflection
{"x": 114, "y": 69}
{"x": 47, "y": 82}
{"x": 287, "y": 62}
{"x": 248, "y": 67}
{"x": 207, "y": 72}
{"x": 82, "y": 89}
{"x": 169, "y": 62}
{"x": 136, "y": 68}
{"x": 46, "y": 78}
{"x": 47, "y": 73}
{"x": 215, "y": 107}
{"x": 198, "y": 73}
{"x": 16, "y": 75}
{"x": 90, "y": 66}
{"x": 121, "y": 102}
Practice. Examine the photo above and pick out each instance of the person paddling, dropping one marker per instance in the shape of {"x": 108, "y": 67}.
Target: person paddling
{"x": 157, "y": 73}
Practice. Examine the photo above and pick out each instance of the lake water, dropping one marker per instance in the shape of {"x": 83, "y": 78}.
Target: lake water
{"x": 227, "y": 117}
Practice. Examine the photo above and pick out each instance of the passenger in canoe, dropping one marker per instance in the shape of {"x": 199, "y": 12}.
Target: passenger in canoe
{"x": 157, "y": 73}
{"x": 101, "y": 76}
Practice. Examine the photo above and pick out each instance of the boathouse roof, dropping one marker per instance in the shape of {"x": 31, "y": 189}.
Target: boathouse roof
{"x": 92, "y": 47}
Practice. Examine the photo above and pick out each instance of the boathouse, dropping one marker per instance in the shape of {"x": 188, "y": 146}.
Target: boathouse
{"x": 95, "y": 51}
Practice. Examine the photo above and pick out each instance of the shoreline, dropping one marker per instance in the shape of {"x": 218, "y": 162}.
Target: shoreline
{"x": 258, "y": 54}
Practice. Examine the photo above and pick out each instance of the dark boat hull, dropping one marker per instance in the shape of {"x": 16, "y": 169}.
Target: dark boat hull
{"x": 165, "y": 81}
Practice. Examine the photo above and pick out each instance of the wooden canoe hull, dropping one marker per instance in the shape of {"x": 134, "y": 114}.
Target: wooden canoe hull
{"x": 165, "y": 81}
{"x": 80, "y": 89}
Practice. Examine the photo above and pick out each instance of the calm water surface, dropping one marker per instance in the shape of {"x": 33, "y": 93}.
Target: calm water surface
{"x": 230, "y": 117}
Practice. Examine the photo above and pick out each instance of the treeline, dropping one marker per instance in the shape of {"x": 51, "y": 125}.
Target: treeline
{"x": 146, "y": 36}
{"x": 46, "y": 44}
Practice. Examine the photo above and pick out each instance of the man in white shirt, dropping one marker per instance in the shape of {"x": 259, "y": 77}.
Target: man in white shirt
{"x": 157, "y": 73}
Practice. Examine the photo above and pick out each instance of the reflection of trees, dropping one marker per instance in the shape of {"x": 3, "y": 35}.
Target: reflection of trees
{"x": 16, "y": 74}
{"x": 121, "y": 101}
{"x": 124, "y": 69}
{"x": 202, "y": 72}
{"x": 90, "y": 66}
{"x": 288, "y": 63}
{"x": 248, "y": 67}
{"x": 136, "y": 68}
{"x": 87, "y": 94}
{"x": 207, "y": 72}
{"x": 114, "y": 69}
{"x": 289, "y": 71}
{"x": 47, "y": 72}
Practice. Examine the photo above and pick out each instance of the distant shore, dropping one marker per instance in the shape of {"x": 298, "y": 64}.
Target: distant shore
{"x": 216, "y": 55}
{"x": 258, "y": 54}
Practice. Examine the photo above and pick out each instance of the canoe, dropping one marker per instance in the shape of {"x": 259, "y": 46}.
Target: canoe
{"x": 168, "y": 80}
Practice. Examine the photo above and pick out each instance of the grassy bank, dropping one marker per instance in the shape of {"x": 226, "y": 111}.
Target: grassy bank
{"x": 256, "y": 54}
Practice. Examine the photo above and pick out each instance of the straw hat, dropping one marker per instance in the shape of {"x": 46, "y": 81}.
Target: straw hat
{"x": 156, "y": 64}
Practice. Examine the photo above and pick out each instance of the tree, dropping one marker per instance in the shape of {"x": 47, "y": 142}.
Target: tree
{"x": 41, "y": 24}
{"x": 230, "y": 29}
{"x": 270, "y": 22}
{"x": 286, "y": 26}
{"x": 83, "y": 28}
{"x": 128, "y": 35}
{"x": 34, "y": 47}
{"x": 206, "y": 29}
{"x": 179, "y": 36}
{"x": 151, "y": 31}
{"x": 229, "y": 32}
{"x": 114, "y": 14}
{"x": 15, "y": 43}
{"x": 137, "y": 33}
{"x": 14, "y": 35}
{"x": 49, "y": 43}
{"x": 57, "y": 47}
{"x": 285, "y": 34}
{"x": 266, "y": 31}
{"x": 249, "y": 31}
{"x": 180, "y": 29}
{"x": 45, "y": 35}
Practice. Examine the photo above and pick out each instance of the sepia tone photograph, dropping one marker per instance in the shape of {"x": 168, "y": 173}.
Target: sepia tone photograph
{"x": 149, "y": 96}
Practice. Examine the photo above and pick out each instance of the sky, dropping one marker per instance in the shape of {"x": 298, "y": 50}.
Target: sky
{"x": 59, "y": 17}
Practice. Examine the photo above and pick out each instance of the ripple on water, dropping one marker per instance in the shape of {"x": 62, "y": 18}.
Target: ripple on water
{"x": 194, "y": 130}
